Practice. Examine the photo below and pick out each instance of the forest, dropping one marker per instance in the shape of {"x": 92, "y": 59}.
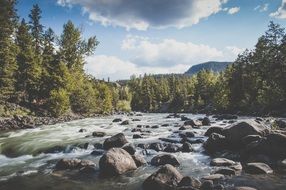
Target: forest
{"x": 43, "y": 74}
{"x": 254, "y": 84}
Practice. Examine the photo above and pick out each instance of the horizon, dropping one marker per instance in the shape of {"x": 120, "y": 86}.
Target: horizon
{"x": 134, "y": 41}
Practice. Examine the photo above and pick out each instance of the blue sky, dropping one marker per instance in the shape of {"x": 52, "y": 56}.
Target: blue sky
{"x": 161, "y": 36}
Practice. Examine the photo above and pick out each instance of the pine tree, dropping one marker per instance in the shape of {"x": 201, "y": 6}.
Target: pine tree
{"x": 8, "y": 65}
{"x": 29, "y": 71}
{"x": 36, "y": 28}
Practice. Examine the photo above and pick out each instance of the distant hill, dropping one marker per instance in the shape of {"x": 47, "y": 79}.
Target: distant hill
{"x": 211, "y": 65}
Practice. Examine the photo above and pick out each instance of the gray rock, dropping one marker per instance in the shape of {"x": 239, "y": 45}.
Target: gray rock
{"x": 190, "y": 182}
{"x": 72, "y": 164}
{"x": 258, "y": 168}
{"x": 163, "y": 159}
{"x": 139, "y": 160}
{"x": 116, "y": 161}
{"x": 126, "y": 122}
{"x": 130, "y": 148}
{"x": 222, "y": 162}
{"x": 167, "y": 177}
{"x": 236, "y": 132}
{"x": 117, "y": 140}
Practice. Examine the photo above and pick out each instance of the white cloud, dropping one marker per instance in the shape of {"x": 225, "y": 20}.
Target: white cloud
{"x": 102, "y": 66}
{"x": 281, "y": 12}
{"x": 168, "y": 52}
{"x": 142, "y": 14}
{"x": 156, "y": 57}
{"x": 233, "y": 10}
{"x": 262, "y": 8}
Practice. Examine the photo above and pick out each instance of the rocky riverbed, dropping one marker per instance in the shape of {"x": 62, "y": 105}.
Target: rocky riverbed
{"x": 147, "y": 151}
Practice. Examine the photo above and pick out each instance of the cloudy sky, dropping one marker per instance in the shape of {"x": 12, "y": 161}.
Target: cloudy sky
{"x": 161, "y": 36}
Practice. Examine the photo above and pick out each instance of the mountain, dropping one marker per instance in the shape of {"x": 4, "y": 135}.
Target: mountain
{"x": 211, "y": 65}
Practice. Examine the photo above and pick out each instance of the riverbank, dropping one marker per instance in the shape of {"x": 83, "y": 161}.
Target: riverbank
{"x": 27, "y": 122}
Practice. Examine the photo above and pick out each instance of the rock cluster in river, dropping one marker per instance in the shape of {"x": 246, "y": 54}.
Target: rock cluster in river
{"x": 247, "y": 146}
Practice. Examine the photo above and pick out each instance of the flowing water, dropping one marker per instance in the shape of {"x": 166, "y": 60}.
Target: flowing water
{"x": 27, "y": 157}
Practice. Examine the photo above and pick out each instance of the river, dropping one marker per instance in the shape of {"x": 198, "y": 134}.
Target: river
{"x": 28, "y": 156}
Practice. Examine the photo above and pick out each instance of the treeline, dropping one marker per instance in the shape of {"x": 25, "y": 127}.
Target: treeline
{"x": 254, "y": 84}
{"x": 45, "y": 73}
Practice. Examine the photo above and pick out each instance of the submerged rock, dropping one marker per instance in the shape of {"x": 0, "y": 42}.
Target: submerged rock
{"x": 163, "y": 159}
{"x": 167, "y": 177}
{"x": 98, "y": 134}
{"x": 117, "y": 140}
{"x": 126, "y": 122}
{"x": 72, "y": 164}
{"x": 117, "y": 120}
{"x": 116, "y": 161}
{"x": 137, "y": 136}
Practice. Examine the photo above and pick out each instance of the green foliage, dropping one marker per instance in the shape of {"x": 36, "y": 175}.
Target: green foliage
{"x": 59, "y": 102}
{"x": 8, "y": 64}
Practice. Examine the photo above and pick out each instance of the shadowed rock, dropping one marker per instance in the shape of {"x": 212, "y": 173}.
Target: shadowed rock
{"x": 163, "y": 159}
{"x": 258, "y": 168}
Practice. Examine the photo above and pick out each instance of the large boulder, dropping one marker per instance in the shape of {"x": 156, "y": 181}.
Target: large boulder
{"x": 116, "y": 161}
{"x": 117, "y": 140}
{"x": 163, "y": 159}
{"x": 71, "y": 164}
{"x": 273, "y": 145}
{"x": 237, "y": 131}
{"x": 215, "y": 142}
{"x": 167, "y": 177}
{"x": 258, "y": 168}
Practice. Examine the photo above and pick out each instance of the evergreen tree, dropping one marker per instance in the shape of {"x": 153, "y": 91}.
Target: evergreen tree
{"x": 8, "y": 65}
{"x": 29, "y": 71}
{"x": 36, "y": 27}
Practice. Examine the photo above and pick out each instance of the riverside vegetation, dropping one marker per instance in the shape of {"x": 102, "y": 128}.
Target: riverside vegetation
{"x": 43, "y": 74}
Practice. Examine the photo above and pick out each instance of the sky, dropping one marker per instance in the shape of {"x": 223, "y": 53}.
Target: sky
{"x": 160, "y": 36}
